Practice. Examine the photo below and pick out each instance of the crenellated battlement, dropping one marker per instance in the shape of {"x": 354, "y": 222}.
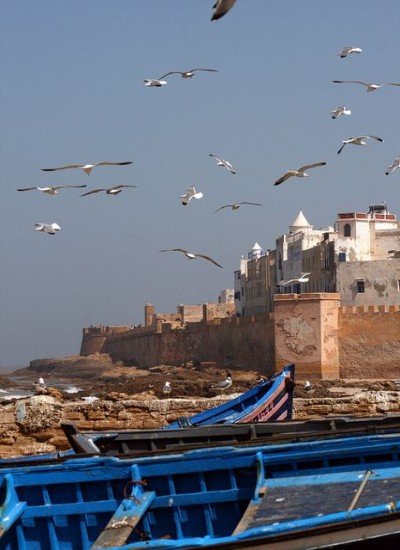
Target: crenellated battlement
{"x": 325, "y": 340}
{"x": 367, "y": 310}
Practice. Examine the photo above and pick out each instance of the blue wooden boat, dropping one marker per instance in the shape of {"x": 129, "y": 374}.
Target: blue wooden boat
{"x": 147, "y": 442}
{"x": 220, "y": 498}
{"x": 269, "y": 400}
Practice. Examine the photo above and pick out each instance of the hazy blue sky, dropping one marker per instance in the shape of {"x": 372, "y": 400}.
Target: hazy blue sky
{"x": 72, "y": 91}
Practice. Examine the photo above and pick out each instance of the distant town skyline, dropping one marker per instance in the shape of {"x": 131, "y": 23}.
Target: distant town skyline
{"x": 73, "y": 92}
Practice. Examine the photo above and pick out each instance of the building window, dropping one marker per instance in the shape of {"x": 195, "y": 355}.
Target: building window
{"x": 342, "y": 256}
{"x": 347, "y": 230}
{"x": 360, "y": 287}
{"x": 237, "y": 295}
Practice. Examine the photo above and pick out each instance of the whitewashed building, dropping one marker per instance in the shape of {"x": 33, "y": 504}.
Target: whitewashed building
{"x": 359, "y": 258}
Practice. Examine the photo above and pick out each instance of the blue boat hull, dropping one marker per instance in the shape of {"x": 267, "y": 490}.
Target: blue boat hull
{"x": 197, "y": 499}
{"x": 268, "y": 401}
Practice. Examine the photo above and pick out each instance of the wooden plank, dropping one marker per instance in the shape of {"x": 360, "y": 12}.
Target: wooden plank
{"x": 250, "y": 513}
{"x": 126, "y": 517}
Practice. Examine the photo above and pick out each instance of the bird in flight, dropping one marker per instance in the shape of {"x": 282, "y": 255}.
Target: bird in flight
{"x": 359, "y": 140}
{"x": 348, "y": 50}
{"x": 190, "y": 194}
{"x": 300, "y": 172}
{"x": 49, "y": 228}
{"x": 236, "y": 205}
{"x": 224, "y": 384}
{"x": 221, "y": 7}
{"x": 109, "y": 190}
{"x": 371, "y": 87}
{"x": 189, "y": 74}
{"x": 87, "y": 168}
{"x": 53, "y": 190}
{"x": 191, "y": 255}
{"x": 302, "y": 279}
{"x": 223, "y": 163}
{"x": 394, "y": 166}
{"x": 155, "y": 82}
{"x": 339, "y": 111}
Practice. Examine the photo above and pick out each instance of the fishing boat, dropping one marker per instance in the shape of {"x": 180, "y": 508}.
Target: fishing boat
{"x": 262, "y": 497}
{"x": 147, "y": 442}
{"x": 269, "y": 400}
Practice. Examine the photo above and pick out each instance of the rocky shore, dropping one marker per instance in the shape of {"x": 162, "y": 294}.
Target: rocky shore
{"x": 116, "y": 397}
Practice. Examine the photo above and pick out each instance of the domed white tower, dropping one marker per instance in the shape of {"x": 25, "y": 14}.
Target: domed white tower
{"x": 255, "y": 252}
{"x": 299, "y": 223}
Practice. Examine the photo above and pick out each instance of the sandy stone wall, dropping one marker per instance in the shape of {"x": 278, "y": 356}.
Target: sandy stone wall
{"x": 248, "y": 340}
{"x": 310, "y": 330}
{"x": 32, "y": 425}
{"x": 369, "y": 342}
{"x": 306, "y": 333}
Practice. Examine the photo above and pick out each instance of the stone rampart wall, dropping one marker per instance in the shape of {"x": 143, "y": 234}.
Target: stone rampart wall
{"x": 324, "y": 340}
{"x": 32, "y": 426}
{"x": 369, "y": 342}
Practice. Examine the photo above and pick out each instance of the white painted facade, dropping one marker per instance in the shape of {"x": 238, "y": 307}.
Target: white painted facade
{"x": 357, "y": 237}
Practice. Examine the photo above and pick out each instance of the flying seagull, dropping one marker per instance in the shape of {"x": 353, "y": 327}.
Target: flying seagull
{"x": 303, "y": 278}
{"x": 236, "y": 205}
{"x": 191, "y": 255}
{"x": 49, "y": 228}
{"x": 190, "y": 194}
{"x": 189, "y": 74}
{"x": 394, "y": 166}
{"x": 221, "y": 7}
{"x": 87, "y": 168}
{"x": 155, "y": 82}
{"x": 300, "y": 172}
{"x": 371, "y": 87}
{"x": 348, "y": 50}
{"x": 53, "y": 190}
{"x": 224, "y": 384}
{"x": 224, "y": 163}
{"x": 109, "y": 190}
{"x": 339, "y": 111}
{"x": 359, "y": 140}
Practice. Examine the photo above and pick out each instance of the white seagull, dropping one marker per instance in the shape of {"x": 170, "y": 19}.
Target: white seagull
{"x": 190, "y": 194}
{"x": 348, "y": 50}
{"x": 302, "y": 279}
{"x": 191, "y": 255}
{"x": 359, "y": 140}
{"x": 339, "y": 111}
{"x": 300, "y": 172}
{"x": 236, "y": 205}
{"x": 308, "y": 386}
{"x": 167, "y": 388}
{"x": 49, "y": 228}
{"x": 225, "y": 384}
{"x": 109, "y": 190}
{"x": 155, "y": 82}
{"x": 221, "y": 7}
{"x": 53, "y": 190}
{"x": 371, "y": 86}
{"x": 87, "y": 168}
{"x": 189, "y": 74}
{"x": 394, "y": 166}
{"x": 224, "y": 163}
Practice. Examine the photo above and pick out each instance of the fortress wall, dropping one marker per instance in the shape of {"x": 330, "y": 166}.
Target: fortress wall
{"x": 141, "y": 349}
{"x": 322, "y": 339}
{"x": 248, "y": 340}
{"x": 180, "y": 346}
{"x": 369, "y": 342}
{"x": 306, "y": 327}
